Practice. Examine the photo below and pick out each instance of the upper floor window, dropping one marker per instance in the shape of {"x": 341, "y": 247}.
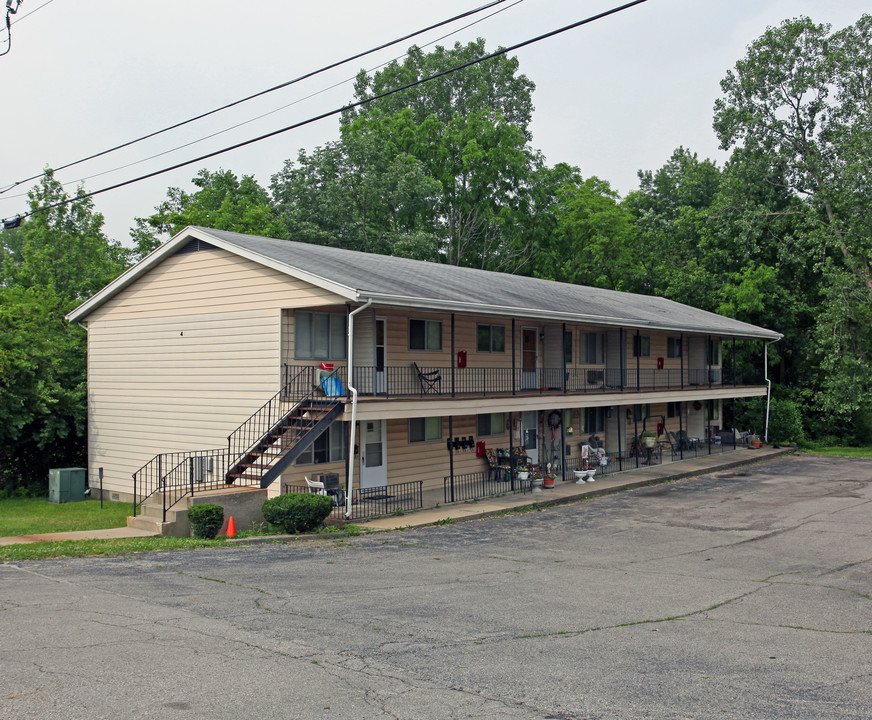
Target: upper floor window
{"x": 492, "y": 338}
{"x": 713, "y": 352}
{"x": 641, "y": 346}
{"x": 425, "y": 334}
{"x": 593, "y": 348}
{"x": 492, "y": 424}
{"x": 673, "y": 347}
{"x": 425, "y": 429}
{"x": 567, "y": 347}
{"x": 319, "y": 336}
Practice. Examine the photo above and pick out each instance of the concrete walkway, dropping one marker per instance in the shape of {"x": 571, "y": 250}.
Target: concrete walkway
{"x": 121, "y": 532}
{"x": 560, "y": 493}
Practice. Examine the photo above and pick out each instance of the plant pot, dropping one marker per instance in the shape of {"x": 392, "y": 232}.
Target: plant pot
{"x": 523, "y": 475}
{"x": 649, "y": 442}
{"x": 548, "y": 482}
{"x": 756, "y": 444}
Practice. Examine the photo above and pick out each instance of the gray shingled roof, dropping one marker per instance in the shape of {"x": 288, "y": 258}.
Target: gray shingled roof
{"x": 412, "y": 283}
{"x": 416, "y": 283}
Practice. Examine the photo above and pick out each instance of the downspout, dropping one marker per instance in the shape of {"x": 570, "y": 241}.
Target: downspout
{"x": 353, "y": 390}
{"x": 768, "y": 385}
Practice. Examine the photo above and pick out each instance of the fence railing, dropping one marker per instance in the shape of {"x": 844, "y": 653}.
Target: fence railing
{"x": 421, "y": 381}
{"x": 178, "y": 474}
{"x": 369, "y": 503}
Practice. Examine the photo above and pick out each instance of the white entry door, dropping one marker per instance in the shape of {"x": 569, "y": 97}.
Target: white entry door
{"x": 530, "y": 434}
{"x": 373, "y": 458}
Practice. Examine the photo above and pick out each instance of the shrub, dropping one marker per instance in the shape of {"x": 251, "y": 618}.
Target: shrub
{"x": 297, "y": 512}
{"x": 206, "y": 520}
{"x": 785, "y": 422}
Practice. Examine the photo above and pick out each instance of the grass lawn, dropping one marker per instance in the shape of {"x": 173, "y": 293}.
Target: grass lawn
{"x": 26, "y": 516}
{"x": 860, "y": 452}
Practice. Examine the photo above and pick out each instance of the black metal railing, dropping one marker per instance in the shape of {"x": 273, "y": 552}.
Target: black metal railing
{"x": 175, "y": 475}
{"x": 298, "y": 385}
{"x": 432, "y": 380}
{"x": 477, "y": 485}
{"x": 369, "y": 503}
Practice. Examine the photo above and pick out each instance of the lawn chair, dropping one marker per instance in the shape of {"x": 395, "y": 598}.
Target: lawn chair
{"x": 318, "y": 488}
{"x": 686, "y": 442}
{"x": 431, "y": 382}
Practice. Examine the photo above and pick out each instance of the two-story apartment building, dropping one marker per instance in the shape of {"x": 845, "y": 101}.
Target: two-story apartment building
{"x": 206, "y": 362}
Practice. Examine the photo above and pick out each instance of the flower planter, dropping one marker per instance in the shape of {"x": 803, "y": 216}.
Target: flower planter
{"x": 523, "y": 475}
{"x": 756, "y": 444}
{"x": 548, "y": 482}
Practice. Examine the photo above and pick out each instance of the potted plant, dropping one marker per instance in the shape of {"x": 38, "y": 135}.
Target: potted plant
{"x": 523, "y": 472}
{"x": 649, "y": 439}
{"x": 548, "y": 480}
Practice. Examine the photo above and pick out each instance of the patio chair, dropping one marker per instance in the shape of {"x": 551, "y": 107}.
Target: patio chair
{"x": 687, "y": 442}
{"x": 431, "y": 382}
{"x": 318, "y": 489}
{"x": 494, "y": 469}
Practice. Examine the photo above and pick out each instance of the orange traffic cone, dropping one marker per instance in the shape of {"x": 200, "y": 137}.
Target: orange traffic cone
{"x": 231, "y": 528}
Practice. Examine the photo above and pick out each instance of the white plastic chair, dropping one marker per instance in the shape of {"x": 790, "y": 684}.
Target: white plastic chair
{"x": 318, "y": 487}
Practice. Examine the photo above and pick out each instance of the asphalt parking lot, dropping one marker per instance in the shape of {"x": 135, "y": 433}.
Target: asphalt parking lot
{"x": 741, "y": 594}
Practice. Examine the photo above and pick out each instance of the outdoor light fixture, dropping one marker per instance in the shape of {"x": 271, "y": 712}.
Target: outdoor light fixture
{"x": 13, "y": 222}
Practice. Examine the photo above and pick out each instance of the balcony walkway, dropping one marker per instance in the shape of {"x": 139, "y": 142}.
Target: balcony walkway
{"x": 565, "y": 492}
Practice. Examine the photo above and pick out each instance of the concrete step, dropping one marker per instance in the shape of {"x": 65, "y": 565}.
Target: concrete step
{"x": 149, "y": 524}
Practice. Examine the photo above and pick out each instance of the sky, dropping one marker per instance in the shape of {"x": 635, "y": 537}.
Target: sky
{"x": 612, "y": 97}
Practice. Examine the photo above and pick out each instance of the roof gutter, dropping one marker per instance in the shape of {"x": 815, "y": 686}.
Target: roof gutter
{"x": 448, "y": 305}
{"x": 350, "y": 355}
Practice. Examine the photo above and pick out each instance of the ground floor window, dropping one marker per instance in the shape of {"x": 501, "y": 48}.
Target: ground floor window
{"x": 673, "y": 410}
{"x": 425, "y": 429}
{"x": 330, "y": 446}
{"x": 492, "y": 424}
{"x": 594, "y": 420}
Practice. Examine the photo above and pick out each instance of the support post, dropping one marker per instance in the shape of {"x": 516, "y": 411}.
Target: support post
{"x": 451, "y": 455}
{"x": 514, "y": 361}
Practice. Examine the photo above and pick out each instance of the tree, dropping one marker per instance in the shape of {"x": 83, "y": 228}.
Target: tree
{"x": 222, "y": 202}
{"x": 592, "y": 239}
{"x": 48, "y": 266}
{"x": 469, "y": 131}
{"x": 800, "y": 102}
{"x": 363, "y": 193}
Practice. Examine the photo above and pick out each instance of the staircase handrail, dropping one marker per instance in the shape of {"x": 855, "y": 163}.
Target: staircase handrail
{"x": 270, "y": 414}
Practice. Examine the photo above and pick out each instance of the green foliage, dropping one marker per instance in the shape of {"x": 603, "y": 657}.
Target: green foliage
{"x": 439, "y": 172}
{"x": 297, "y": 512}
{"x": 56, "y": 259}
{"x": 206, "y": 520}
{"x": 785, "y": 422}
{"x": 222, "y": 201}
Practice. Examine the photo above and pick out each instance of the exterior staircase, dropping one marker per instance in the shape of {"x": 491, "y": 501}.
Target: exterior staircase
{"x": 285, "y": 442}
{"x": 257, "y": 452}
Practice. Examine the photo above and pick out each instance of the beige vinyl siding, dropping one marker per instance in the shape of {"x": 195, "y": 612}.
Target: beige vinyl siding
{"x": 180, "y": 358}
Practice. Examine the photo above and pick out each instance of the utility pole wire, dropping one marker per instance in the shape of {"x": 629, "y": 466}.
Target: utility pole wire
{"x": 262, "y": 92}
{"x": 266, "y": 114}
{"x": 337, "y": 111}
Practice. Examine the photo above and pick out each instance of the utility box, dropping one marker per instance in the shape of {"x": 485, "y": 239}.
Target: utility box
{"x": 66, "y": 485}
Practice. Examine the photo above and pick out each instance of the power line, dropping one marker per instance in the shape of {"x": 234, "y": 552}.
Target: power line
{"x": 262, "y": 92}
{"x": 270, "y": 112}
{"x": 337, "y": 111}
{"x": 26, "y": 15}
